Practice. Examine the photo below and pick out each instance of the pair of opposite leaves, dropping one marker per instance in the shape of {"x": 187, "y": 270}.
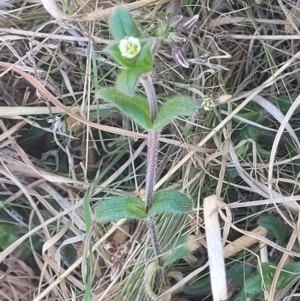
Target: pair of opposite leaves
{"x": 133, "y": 106}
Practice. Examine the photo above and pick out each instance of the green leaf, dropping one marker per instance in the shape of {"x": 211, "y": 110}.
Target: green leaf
{"x": 262, "y": 152}
{"x": 283, "y": 102}
{"x": 242, "y": 150}
{"x": 120, "y": 207}
{"x": 145, "y": 56}
{"x": 135, "y": 107}
{"x": 276, "y": 227}
{"x": 199, "y": 288}
{"x": 251, "y": 115}
{"x": 173, "y": 107}
{"x": 243, "y": 296}
{"x": 253, "y": 285}
{"x": 184, "y": 246}
{"x": 128, "y": 78}
{"x": 268, "y": 272}
{"x": 122, "y": 25}
{"x": 287, "y": 275}
{"x": 289, "y": 272}
{"x": 239, "y": 272}
{"x": 170, "y": 201}
{"x": 8, "y": 234}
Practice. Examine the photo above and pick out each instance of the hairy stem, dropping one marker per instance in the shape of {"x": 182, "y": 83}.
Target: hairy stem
{"x": 150, "y": 92}
{"x": 156, "y": 247}
{"x": 152, "y": 141}
{"x": 151, "y": 164}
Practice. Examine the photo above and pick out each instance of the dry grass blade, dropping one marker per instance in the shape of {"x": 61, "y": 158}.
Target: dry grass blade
{"x": 58, "y": 104}
{"x": 254, "y": 93}
{"x": 100, "y": 14}
{"x": 17, "y": 243}
{"x": 283, "y": 125}
{"x": 75, "y": 265}
{"x": 278, "y": 115}
{"x": 283, "y": 260}
{"x": 215, "y": 248}
{"x": 70, "y": 112}
{"x": 245, "y": 241}
{"x": 183, "y": 281}
{"x": 245, "y": 150}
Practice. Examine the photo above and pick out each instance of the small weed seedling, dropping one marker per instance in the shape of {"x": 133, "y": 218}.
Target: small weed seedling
{"x": 133, "y": 53}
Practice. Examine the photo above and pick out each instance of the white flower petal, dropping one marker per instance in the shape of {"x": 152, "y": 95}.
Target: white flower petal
{"x": 207, "y": 104}
{"x": 130, "y": 47}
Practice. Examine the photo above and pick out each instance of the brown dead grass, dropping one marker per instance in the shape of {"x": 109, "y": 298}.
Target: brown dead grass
{"x": 50, "y": 64}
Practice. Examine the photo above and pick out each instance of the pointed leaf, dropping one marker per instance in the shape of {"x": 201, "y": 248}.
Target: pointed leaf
{"x": 134, "y": 107}
{"x": 276, "y": 227}
{"x": 201, "y": 287}
{"x": 170, "y": 201}
{"x": 145, "y": 57}
{"x": 120, "y": 207}
{"x": 128, "y": 78}
{"x": 243, "y": 296}
{"x": 173, "y": 107}
{"x": 289, "y": 272}
{"x": 184, "y": 246}
{"x": 179, "y": 57}
{"x": 122, "y": 25}
{"x": 240, "y": 269}
{"x": 268, "y": 273}
{"x": 253, "y": 285}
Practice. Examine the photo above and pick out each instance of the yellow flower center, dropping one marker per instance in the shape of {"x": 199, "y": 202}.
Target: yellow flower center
{"x": 132, "y": 48}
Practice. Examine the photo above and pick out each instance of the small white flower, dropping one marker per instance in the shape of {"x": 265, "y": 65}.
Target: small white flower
{"x": 207, "y": 104}
{"x": 130, "y": 47}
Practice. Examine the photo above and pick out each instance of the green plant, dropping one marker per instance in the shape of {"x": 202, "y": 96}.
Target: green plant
{"x": 133, "y": 53}
{"x": 276, "y": 228}
{"x": 265, "y": 276}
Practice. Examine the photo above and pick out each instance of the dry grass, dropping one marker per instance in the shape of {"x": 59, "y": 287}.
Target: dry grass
{"x": 52, "y": 174}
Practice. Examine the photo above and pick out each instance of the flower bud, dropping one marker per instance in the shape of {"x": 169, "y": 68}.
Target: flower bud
{"x": 179, "y": 57}
{"x": 189, "y": 23}
{"x": 174, "y": 7}
{"x": 175, "y": 21}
